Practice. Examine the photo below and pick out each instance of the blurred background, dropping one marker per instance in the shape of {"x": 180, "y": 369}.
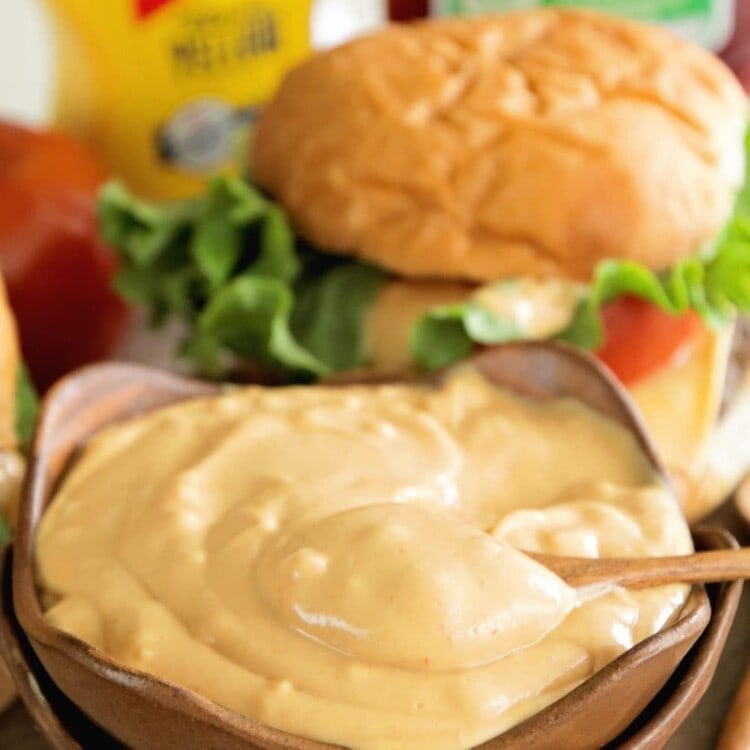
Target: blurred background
{"x": 26, "y": 61}
{"x": 27, "y": 54}
{"x": 27, "y": 57}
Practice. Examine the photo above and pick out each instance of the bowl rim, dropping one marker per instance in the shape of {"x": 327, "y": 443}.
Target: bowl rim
{"x": 702, "y": 658}
{"x": 644, "y": 734}
{"x": 39, "y": 492}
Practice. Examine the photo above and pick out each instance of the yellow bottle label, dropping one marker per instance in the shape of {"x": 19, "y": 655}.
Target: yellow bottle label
{"x": 166, "y": 91}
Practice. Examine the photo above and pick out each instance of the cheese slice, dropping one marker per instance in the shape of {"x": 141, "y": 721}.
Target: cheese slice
{"x": 728, "y": 452}
{"x": 680, "y": 404}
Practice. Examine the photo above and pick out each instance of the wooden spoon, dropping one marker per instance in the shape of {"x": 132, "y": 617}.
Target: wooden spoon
{"x": 635, "y": 573}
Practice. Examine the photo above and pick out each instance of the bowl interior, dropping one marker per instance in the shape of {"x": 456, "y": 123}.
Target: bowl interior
{"x": 144, "y": 712}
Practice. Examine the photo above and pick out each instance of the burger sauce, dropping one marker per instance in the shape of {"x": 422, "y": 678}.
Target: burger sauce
{"x": 377, "y": 602}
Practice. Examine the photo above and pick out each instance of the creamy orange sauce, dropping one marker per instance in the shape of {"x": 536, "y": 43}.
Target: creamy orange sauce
{"x": 342, "y": 563}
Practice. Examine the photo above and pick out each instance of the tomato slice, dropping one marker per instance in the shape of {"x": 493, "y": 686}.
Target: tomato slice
{"x": 640, "y": 338}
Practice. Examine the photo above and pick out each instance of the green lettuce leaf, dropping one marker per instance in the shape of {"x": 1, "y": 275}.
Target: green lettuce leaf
{"x": 5, "y": 534}
{"x": 228, "y": 265}
{"x": 716, "y": 288}
{"x": 329, "y": 317}
{"x": 27, "y": 408}
{"x": 449, "y": 334}
{"x": 27, "y": 411}
{"x": 250, "y": 317}
{"x": 742, "y": 207}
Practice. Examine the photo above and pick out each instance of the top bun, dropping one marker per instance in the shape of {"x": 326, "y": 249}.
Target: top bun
{"x": 8, "y": 372}
{"x": 536, "y": 142}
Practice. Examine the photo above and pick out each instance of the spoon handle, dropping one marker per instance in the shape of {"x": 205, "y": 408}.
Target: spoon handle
{"x": 634, "y": 573}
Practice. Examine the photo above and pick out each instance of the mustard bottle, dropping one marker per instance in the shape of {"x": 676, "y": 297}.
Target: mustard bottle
{"x": 166, "y": 91}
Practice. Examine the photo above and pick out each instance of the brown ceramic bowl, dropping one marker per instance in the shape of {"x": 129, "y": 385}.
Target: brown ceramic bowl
{"x": 144, "y": 712}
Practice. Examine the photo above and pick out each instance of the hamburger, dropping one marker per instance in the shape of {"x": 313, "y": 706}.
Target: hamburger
{"x": 543, "y": 174}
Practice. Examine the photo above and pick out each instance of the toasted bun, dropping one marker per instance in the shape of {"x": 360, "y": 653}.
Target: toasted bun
{"x": 535, "y": 142}
{"x": 8, "y": 372}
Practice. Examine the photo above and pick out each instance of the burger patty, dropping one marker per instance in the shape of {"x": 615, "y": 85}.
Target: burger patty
{"x": 739, "y": 361}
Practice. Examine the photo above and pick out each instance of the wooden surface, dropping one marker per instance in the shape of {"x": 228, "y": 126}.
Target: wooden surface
{"x": 700, "y": 732}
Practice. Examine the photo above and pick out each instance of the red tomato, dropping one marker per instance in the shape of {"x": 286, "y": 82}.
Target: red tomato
{"x": 57, "y": 270}
{"x": 640, "y": 338}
